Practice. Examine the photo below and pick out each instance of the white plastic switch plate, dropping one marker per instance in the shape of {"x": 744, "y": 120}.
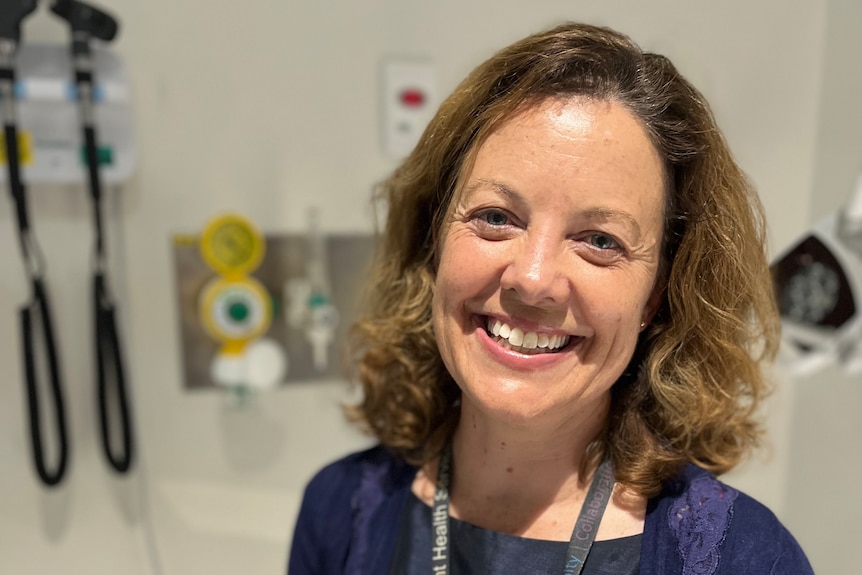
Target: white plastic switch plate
{"x": 409, "y": 101}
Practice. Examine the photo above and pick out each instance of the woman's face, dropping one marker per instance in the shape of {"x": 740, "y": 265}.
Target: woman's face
{"x": 549, "y": 259}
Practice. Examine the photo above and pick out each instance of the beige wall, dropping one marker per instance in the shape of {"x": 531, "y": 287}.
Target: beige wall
{"x": 822, "y": 490}
{"x": 269, "y": 107}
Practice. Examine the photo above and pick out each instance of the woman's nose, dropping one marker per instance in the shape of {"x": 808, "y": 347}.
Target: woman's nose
{"x": 535, "y": 271}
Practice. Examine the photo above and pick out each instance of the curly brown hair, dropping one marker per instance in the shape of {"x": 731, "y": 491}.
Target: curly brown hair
{"x": 692, "y": 388}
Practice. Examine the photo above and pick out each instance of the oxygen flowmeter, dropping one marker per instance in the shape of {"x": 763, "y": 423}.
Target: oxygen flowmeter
{"x": 235, "y": 309}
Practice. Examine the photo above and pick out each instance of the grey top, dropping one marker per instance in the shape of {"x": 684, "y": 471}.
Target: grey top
{"x": 476, "y": 550}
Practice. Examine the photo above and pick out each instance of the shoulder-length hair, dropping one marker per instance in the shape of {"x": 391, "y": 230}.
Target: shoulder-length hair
{"x": 692, "y": 388}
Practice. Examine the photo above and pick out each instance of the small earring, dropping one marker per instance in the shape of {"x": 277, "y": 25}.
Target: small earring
{"x": 643, "y": 324}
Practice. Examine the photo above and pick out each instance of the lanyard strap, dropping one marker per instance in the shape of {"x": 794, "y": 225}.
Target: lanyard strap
{"x": 589, "y": 518}
{"x": 583, "y": 534}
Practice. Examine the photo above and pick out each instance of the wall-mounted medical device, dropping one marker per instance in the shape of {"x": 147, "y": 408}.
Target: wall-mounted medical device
{"x": 258, "y": 311}
{"x": 818, "y": 284}
{"x": 52, "y": 143}
{"x": 88, "y": 23}
{"x": 310, "y": 307}
{"x": 36, "y": 318}
{"x": 52, "y": 102}
{"x": 235, "y": 309}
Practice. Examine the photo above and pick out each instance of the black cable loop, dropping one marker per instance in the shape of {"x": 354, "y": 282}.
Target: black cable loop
{"x": 110, "y": 364}
{"x": 86, "y": 21}
{"x": 111, "y": 380}
{"x": 39, "y": 306}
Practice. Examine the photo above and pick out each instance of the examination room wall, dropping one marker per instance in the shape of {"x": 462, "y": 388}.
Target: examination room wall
{"x": 822, "y": 493}
{"x": 271, "y": 107}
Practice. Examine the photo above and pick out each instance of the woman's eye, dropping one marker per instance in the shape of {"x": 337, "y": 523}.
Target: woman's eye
{"x": 494, "y": 218}
{"x": 604, "y": 242}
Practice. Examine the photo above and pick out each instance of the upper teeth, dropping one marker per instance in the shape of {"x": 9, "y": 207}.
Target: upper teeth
{"x": 526, "y": 340}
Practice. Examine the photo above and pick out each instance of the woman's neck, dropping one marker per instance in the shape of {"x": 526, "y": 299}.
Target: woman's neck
{"x": 521, "y": 479}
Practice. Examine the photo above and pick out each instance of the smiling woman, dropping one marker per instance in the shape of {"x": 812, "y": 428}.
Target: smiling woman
{"x": 563, "y": 344}
{"x": 562, "y": 202}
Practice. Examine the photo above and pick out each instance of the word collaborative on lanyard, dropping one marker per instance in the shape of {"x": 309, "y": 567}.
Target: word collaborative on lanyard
{"x": 37, "y": 312}
{"x": 583, "y": 534}
{"x": 87, "y": 22}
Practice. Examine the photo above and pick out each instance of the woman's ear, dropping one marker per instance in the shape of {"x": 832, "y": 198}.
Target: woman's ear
{"x": 653, "y": 304}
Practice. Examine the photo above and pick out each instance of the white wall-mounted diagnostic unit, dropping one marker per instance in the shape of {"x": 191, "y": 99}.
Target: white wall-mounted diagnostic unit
{"x": 52, "y": 150}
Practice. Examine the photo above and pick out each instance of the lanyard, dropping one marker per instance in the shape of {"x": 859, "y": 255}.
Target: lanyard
{"x": 583, "y": 534}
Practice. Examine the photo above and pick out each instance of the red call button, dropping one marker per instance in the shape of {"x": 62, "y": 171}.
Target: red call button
{"x": 412, "y": 98}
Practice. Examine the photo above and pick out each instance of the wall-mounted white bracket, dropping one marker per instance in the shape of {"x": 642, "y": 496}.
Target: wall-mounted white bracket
{"x": 48, "y": 117}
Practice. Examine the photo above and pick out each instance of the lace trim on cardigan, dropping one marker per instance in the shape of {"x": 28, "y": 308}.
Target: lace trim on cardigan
{"x": 700, "y": 520}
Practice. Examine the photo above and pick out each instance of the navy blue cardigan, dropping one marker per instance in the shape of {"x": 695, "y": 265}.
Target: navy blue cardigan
{"x": 349, "y": 520}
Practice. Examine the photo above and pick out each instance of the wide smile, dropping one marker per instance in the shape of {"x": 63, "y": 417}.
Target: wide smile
{"x": 526, "y": 342}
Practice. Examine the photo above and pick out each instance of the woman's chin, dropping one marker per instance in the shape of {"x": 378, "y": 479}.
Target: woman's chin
{"x": 510, "y": 402}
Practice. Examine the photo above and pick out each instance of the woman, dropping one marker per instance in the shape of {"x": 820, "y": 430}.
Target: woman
{"x": 570, "y": 309}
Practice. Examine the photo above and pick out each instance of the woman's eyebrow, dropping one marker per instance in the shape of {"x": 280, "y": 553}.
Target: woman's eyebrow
{"x": 611, "y": 214}
{"x": 496, "y": 186}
